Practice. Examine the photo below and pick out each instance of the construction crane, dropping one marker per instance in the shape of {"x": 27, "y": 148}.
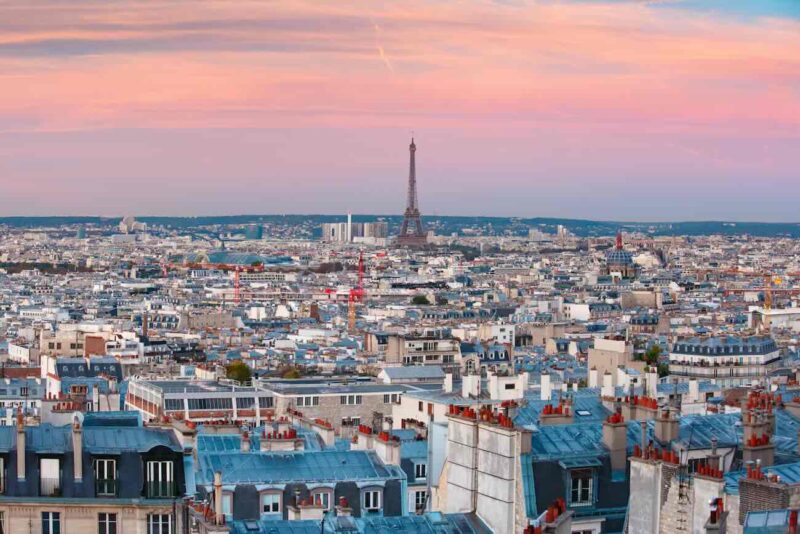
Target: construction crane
{"x": 356, "y": 295}
{"x": 227, "y": 267}
{"x": 768, "y": 289}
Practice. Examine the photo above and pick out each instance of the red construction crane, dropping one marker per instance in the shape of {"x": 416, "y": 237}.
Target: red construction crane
{"x": 356, "y": 295}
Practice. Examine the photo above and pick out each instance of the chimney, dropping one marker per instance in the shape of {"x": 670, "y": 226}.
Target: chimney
{"x": 471, "y": 386}
{"x": 667, "y": 426}
{"x": 343, "y": 508}
{"x": 717, "y": 518}
{"x": 448, "y": 383}
{"x": 644, "y": 441}
{"x": 651, "y": 382}
{"x": 20, "y": 445}
{"x": 615, "y": 438}
{"x": 694, "y": 390}
{"x": 245, "y": 441}
{"x": 219, "y": 517}
{"x": 714, "y": 458}
{"x": 387, "y": 448}
{"x": 95, "y": 398}
{"x": 593, "y": 379}
{"x": 607, "y": 390}
{"x": 77, "y": 448}
{"x": 546, "y": 388}
{"x": 758, "y": 443}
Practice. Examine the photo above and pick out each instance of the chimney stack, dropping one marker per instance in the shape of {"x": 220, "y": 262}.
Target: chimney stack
{"x": 448, "y": 383}
{"x": 219, "y": 517}
{"x": 667, "y": 426}
{"x": 77, "y": 448}
{"x": 95, "y": 398}
{"x": 343, "y": 508}
{"x": 20, "y": 445}
{"x": 615, "y": 438}
{"x": 546, "y": 387}
{"x": 717, "y": 518}
{"x": 607, "y": 391}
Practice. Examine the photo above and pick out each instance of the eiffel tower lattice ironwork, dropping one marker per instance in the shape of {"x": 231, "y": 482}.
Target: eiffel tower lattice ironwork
{"x": 412, "y": 234}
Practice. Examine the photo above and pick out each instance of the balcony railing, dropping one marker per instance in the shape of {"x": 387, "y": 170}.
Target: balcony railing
{"x": 49, "y": 487}
{"x": 105, "y": 487}
{"x": 160, "y": 490}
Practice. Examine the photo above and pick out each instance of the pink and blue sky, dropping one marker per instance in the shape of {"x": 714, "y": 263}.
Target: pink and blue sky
{"x": 625, "y": 110}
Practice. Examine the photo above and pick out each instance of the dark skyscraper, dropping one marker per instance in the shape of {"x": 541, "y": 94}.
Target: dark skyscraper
{"x": 412, "y": 233}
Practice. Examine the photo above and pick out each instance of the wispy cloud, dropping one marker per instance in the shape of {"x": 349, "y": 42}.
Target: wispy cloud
{"x": 379, "y": 46}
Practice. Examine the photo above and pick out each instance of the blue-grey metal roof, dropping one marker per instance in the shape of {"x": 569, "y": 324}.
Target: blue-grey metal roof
{"x": 431, "y": 523}
{"x": 585, "y": 409}
{"x": 789, "y": 473}
{"x": 266, "y": 468}
{"x": 47, "y": 438}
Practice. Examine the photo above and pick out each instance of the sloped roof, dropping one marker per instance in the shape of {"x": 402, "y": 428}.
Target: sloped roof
{"x": 267, "y": 468}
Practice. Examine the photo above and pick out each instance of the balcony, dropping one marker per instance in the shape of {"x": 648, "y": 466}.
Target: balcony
{"x": 105, "y": 487}
{"x": 160, "y": 490}
{"x": 49, "y": 487}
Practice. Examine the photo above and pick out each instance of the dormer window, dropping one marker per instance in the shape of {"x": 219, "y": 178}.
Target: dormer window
{"x": 420, "y": 470}
{"x": 160, "y": 479}
{"x": 371, "y": 500}
{"x": 270, "y": 503}
{"x": 581, "y": 487}
{"x": 105, "y": 477}
{"x": 323, "y": 497}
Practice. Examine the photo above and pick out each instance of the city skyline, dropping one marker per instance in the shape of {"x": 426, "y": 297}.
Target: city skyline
{"x": 629, "y": 111}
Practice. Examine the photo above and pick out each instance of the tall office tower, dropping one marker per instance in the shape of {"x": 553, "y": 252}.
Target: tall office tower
{"x": 411, "y": 231}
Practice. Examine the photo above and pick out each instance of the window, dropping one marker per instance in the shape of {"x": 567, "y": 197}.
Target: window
{"x": 308, "y": 401}
{"x": 51, "y": 523}
{"x": 160, "y": 480}
{"x": 211, "y": 404}
{"x": 371, "y": 500}
{"x": 173, "y": 404}
{"x": 107, "y": 523}
{"x": 391, "y": 397}
{"x": 351, "y": 421}
{"x": 350, "y": 399}
{"x": 321, "y": 497}
{"x": 511, "y": 386}
{"x": 420, "y": 470}
{"x": 265, "y": 402}
{"x": 159, "y": 524}
{"x": 105, "y": 476}
{"x": 420, "y": 406}
{"x": 270, "y": 503}
{"x": 245, "y": 403}
{"x": 419, "y": 500}
{"x": 581, "y": 487}
{"x": 49, "y": 477}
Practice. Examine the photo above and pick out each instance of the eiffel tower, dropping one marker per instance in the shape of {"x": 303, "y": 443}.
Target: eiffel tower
{"x": 412, "y": 233}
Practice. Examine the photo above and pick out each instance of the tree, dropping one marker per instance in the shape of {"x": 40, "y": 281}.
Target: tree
{"x": 238, "y": 371}
{"x": 291, "y": 373}
{"x": 652, "y": 355}
{"x": 420, "y": 300}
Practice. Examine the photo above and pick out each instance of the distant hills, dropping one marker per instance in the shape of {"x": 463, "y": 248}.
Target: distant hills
{"x": 443, "y": 225}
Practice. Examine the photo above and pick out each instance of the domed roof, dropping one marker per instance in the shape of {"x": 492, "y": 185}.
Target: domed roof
{"x": 619, "y": 256}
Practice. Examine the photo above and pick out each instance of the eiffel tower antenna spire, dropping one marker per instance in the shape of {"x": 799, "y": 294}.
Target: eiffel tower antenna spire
{"x": 412, "y": 233}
